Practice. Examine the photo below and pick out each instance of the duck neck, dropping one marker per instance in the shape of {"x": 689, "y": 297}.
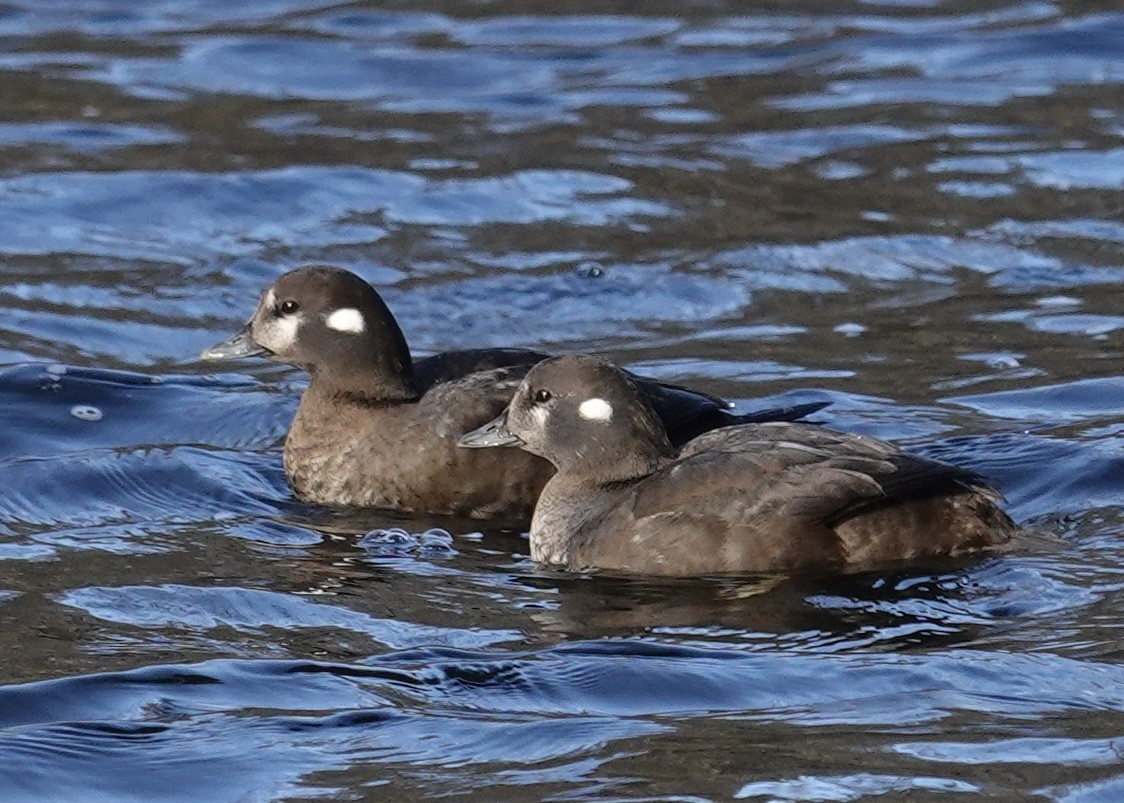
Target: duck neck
{"x": 366, "y": 391}
{"x": 393, "y": 368}
{"x": 634, "y": 464}
{"x": 635, "y": 467}
{"x": 370, "y": 382}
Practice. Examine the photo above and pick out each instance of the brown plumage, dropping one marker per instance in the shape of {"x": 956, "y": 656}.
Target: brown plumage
{"x": 773, "y": 497}
{"x": 374, "y": 428}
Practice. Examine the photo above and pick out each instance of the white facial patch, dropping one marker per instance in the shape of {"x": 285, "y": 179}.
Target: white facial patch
{"x": 540, "y": 414}
{"x": 596, "y": 410}
{"x": 279, "y": 334}
{"x": 347, "y": 319}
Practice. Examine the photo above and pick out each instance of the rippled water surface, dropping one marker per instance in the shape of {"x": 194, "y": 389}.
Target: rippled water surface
{"x": 909, "y": 208}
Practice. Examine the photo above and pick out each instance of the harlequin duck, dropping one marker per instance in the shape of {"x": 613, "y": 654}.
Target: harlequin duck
{"x": 773, "y": 497}
{"x": 375, "y": 428}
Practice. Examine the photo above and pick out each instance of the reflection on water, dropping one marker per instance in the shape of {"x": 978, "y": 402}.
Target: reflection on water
{"x": 910, "y": 209}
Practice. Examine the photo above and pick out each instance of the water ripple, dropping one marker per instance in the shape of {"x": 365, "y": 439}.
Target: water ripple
{"x": 908, "y": 208}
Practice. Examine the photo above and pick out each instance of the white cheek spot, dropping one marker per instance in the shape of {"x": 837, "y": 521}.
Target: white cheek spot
{"x": 596, "y": 410}
{"x": 540, "y": 415}
{"x": 347, "y": 319}
{"x": 280, "y": 334}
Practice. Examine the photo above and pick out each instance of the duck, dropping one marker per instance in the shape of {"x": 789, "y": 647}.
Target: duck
{"x": 376, "y": 428}
{"x": 766, "y": 498}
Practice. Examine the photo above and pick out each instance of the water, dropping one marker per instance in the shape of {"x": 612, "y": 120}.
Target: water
{"x": 910, "y": 208}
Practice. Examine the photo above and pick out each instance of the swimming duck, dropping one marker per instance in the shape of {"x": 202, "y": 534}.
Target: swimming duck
{"x": 375, "y": 428}
{"x": 772, "y": 497}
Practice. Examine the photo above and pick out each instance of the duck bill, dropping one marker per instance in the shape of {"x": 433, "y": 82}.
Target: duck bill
{"x": 238, "y": 345}
{"x": 494, "y": 433}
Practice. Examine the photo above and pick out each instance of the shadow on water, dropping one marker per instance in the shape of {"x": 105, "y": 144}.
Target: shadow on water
{"x": 908, "y": 209}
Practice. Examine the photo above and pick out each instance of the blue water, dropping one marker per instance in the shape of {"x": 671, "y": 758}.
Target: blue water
{"x": 909, "y": 208}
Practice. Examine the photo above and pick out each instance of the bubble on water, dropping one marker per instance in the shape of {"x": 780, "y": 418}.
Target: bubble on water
{"x": 56, "y": 370}
{"x": 396, "y": 542}
{"x": 395, "y": 536}
{"x": 86, "y": 412}
{"x": 436, "y": 537}
{"x": 850, "y": 329}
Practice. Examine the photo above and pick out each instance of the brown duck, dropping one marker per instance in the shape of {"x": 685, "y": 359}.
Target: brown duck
{"x": 773, "y": 497}
{"x": 376, "y": 428}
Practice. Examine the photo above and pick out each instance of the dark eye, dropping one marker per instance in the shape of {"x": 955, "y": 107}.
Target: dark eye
{"x": 542, "y": 396}
{"x": 288, "y": 307}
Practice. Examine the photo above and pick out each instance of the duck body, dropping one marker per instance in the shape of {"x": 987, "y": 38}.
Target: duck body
{"x": 376, "y": 428}
{"x": 773, "y": 497}
{"x": 767, "y": 498}
{"x": 402, "y": 456}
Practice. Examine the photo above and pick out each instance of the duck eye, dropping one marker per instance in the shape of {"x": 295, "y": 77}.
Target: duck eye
{"x": 288, "y": 307}
{"x": 542, "y": 396}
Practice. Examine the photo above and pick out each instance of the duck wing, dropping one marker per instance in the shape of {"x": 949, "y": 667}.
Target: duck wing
{"x": 471, "y": 400}
{"x": 772, "y": 498}
{"x": 900, "y": 475}
{"x": 687, "y": 413}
